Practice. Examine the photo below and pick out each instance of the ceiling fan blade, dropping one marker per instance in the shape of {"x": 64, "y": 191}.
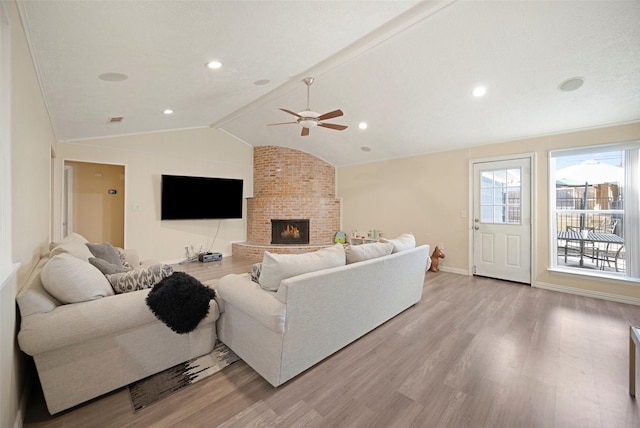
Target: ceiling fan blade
{"x": 331, "y": 115}
{"x": 290, "y": 112}
{"x": 305, "y": 132}
{"x": 282, "y": 123}
{"x": 333, "y": 126}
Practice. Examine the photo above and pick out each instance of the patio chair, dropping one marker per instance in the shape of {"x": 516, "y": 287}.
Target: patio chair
{"x": 606, "y": 252}
{"x": 575, "y": 248}
{"x": 614, "y": 253}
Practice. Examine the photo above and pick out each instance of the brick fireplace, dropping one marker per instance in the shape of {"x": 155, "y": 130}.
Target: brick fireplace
{"x": 289, "y": 185}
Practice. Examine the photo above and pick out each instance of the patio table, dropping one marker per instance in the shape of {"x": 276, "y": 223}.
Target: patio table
{"x": 607, "y": 238}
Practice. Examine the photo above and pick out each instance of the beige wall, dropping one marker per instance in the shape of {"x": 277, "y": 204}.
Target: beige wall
{"x": 197, "y": 152}
{"x": 32, "y": 140}
{"x": 426, "y": 194}
{"x": 97, "y": 214}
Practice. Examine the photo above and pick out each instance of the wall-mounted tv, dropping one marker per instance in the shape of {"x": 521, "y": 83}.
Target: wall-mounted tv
{"x": 194, "y": 198}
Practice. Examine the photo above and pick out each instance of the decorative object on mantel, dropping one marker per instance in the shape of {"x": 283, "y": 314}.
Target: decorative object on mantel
{"x": 340, "y": 238}
{"x": 161, "y": 385}
{"x": 435, "y": 259}
{"x": 309, "y": 119}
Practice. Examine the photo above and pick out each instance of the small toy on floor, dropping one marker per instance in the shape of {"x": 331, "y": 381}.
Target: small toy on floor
{"x": 435, "y": 259}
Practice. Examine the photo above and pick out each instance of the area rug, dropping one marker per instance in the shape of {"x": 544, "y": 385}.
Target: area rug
{"x": 161, "y": 385}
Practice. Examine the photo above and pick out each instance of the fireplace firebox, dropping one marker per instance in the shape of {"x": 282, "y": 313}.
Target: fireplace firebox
{"x": 290, "y": 232}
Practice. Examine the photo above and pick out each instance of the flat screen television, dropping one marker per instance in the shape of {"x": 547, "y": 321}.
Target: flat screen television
{"x": 194, "y": 198}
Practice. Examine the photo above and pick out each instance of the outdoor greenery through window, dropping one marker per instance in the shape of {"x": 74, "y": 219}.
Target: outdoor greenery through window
{"x": 595, "y": 210}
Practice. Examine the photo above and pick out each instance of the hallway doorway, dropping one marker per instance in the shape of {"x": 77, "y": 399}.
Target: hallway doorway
{"x": 93, "y": 204}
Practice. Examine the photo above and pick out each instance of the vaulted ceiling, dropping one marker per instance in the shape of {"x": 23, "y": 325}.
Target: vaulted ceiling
{"x": 406, "y": 68}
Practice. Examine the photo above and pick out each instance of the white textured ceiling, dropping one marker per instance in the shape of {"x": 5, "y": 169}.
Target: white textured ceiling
{"x": 405, "y": 67}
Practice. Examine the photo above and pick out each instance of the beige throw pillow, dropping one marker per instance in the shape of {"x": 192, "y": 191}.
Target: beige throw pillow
{"x": 71, "y": 280}
{"x": 276, "y": 267}
{"x": 72, "y": 237}
{"x": 74, "y": 247}
{"x": 359, "y": 253}
{"x": 403, "y": 242}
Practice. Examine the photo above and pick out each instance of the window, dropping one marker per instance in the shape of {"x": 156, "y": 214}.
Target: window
{"x": 500, "y": 196}
{"x": 594, "y": 205}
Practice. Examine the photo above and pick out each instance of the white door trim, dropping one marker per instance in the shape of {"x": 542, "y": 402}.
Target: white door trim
{"x": 534, "y": 233}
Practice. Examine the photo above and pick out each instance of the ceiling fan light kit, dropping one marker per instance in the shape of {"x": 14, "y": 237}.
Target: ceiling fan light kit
{"x": 309, "y": 118}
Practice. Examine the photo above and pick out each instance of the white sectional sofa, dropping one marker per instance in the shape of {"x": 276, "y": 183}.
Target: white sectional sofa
{"x": 88, "y": 348}
{"x": 312, "y": 315}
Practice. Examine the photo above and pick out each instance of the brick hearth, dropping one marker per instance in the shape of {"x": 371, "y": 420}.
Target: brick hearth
{"x": 289, "y": 184}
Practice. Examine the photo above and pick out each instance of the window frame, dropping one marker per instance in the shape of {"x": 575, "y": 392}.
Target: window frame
{"x": 629, "y": 276}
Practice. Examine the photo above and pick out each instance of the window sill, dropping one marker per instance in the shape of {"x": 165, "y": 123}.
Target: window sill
{"x": 595, "y": 274}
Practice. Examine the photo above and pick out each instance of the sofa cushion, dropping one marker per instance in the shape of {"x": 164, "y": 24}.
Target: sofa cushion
{"x": 72, "y": 237}
{"x": 125, "y": 257}
{"x": 33, "y": 298}
{"x": 72, "y": 244}
{"x": 256, "y": 270}
{"x": 104, "y": 251}
{"x": 139, "y": 278}
{"x": 276, "y": 267}
{"x": 107, "y": 268}
{"x": 180, "y": 301}
{"x": 71, "y": 280}
{"x": 359, "y": 253}
{"x": 403, "y": 242}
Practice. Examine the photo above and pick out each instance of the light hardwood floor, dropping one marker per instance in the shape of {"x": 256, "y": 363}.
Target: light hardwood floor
{"x": 474, "y": 352}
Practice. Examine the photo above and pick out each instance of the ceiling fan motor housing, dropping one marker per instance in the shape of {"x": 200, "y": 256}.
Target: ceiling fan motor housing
{"x": 308, "y": 118}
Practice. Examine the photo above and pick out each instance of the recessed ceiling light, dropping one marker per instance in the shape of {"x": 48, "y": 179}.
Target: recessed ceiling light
{"x": 113, "y": 77}
{"x": 362, "y": 125}
{"x": 167, "y": 111}
{"x": 571, "y": 84}
{"x": 262, "y": 82}
{"x": 365, "y": 148}
{"x": 213, "y": 64}
{"x": 479, "y": 91}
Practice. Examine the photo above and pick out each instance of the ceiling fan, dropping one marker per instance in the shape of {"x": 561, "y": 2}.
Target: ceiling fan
{"x": 308, "y": 118}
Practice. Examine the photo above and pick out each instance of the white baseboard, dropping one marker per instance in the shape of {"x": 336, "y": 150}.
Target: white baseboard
{"x": 454, "y": 270}
{"x": 588, "y": 293}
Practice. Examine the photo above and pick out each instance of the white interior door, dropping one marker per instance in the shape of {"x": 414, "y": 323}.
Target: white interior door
{"x": 502, "y": 219}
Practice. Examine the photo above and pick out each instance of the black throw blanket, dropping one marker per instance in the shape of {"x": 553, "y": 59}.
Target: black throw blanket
{"x": 180, "y": 301}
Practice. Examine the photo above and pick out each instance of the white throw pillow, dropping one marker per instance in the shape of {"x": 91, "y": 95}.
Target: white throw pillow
{"x": 403, "y": 242}
{"x": 71, "y": 280}
{"x": 276, "y": 267}
{"x": 359, "y": 253}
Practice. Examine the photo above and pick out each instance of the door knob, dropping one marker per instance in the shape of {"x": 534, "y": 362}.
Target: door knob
{"x": 476, "y": 227}
{"x": 476, "y": 220}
